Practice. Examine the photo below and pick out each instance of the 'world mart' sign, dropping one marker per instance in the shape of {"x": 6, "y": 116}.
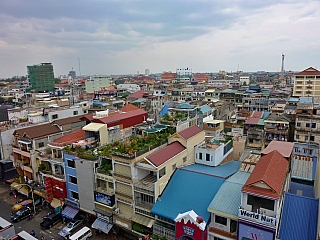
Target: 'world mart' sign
{"x": 259, "y": 218}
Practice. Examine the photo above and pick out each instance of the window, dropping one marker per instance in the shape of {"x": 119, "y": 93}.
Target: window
{"x": 41, "y": 144}
{"x": 146, "y": 198}
{"x": 311, "y": 138}
{"x": 297, "y": 137}
{"x": 207, "y": 157}
{"x": 174, "y": 166}
{"x": 74, "y": 195}
{"x": 71, "y": 164}
{"x": 110, "y": 185}
{"x": 258, "y": 202}
{"x": 184, "y": 159}
{"x": 73, "y": 180}
{"x": 313, "y": 125}
{"x": 220, "y": 220}
{"x": 162, "y": 172}
{"x": 298, "y": 124}
{"x": 306, "y": 138}
{"x": 307, "y": 125}
{"x": 200, "y": 156}
{"x": 309, "y": 82}
{"x": 75, "y": 113}
{"x": 54, "y": 116}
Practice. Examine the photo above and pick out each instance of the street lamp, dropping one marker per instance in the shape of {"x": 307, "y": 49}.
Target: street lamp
{"x": 24, "y": 184}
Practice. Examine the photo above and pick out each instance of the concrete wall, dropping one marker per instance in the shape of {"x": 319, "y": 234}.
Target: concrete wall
{"x": 86, "y": 186}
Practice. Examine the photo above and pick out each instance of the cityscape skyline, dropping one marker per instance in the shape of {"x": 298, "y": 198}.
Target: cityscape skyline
{"x": 126, "y": 37}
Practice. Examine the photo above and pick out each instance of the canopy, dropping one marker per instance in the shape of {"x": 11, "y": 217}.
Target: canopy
{"x": 102, "y": 225}
{"x": 56, "y": 203}
{"x": 145, "y": 221}
{"x": 69, "y": 212}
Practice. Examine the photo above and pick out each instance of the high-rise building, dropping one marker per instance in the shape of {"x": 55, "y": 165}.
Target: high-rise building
{"x": 41, "y": 77}
{"x": 147, "y": 72}
{"x": 72, "y": 74}
{"x": 307, "y": 83}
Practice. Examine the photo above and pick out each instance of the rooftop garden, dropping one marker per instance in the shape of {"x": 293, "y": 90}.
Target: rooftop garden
{"x": 134, "y": 146}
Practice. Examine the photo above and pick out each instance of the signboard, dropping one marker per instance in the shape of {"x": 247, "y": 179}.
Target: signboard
{"x": 259, "y": 218}
{"x": 250, "y": 232}
{"x": 104, "y": 199}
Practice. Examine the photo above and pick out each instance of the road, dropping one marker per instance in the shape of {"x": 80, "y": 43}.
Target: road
{"x": 6, "y": 203}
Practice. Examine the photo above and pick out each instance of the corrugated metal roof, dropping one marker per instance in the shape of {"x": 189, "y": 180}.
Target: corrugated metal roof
{"x": 299, "y": 218}
{"x": 228, "y": 198}
{"x": 187, "y": 191}
{"x": 163, "y": 155}
{"x": 284, "y": 148}
{"x": 302, "y": 189}
{"x": 271, "y": 170}
{"x": 222, "y": 171}
{"x": 252, "y": 120}
{"x": 190, "y": 132}
{"x": 120, "y": 116}
{"x": 205, "y": 108}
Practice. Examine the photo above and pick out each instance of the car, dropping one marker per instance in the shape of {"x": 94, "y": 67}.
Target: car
{"x": 49, "y": 220}
{"x": 22, "y": 213}
{"x": 71, "y": 227}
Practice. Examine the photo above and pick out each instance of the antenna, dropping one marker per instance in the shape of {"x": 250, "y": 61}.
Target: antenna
{"x": 282, "y": 64}
{"x": 79, "y": 66}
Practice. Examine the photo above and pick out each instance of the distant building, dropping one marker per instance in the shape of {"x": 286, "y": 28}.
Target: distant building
{"x": 41, "y": 77}
{"x": 147, "y": 71}
{"x": 72, "y": 74}
{"x": 307, "y": 83}
{"x": 97, "y": 83}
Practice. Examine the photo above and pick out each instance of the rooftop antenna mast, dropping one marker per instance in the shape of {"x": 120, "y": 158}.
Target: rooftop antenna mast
{"x": 79, "y": 66}
{"x": 282, "y": 64}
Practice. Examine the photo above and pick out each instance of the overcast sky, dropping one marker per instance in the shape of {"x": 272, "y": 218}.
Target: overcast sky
{"x": 127, "y": 36}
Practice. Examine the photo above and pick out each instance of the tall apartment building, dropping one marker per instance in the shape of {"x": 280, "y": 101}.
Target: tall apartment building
{"x": 307, "y": 83}
{"x": 41, "y": 77}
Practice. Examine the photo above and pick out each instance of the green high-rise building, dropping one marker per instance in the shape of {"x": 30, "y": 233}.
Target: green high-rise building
{"x": 41, "y": 77}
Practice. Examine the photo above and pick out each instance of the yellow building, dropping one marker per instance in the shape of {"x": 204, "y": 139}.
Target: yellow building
{"x": 307, "y": 83}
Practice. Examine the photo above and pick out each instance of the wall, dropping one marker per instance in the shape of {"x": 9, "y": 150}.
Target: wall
{"x": 6, "y": 143}
{"x": 86, "y": 186}
{"x": 70, "y": 172}
{"x": 65, "y": 113}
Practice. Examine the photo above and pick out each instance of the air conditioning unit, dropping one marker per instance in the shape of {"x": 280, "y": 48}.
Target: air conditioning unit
{"x": 117, "y": 210}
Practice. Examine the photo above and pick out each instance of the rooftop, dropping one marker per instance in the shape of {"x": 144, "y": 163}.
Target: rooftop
{"x": 284, "y": 148}
{"x": 190, "y": 132}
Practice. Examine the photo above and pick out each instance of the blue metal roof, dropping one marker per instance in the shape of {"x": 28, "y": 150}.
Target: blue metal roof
{"x": 164, "y": 110}
{"x": 185, "y": 106}
{"x": 205, "y": 108}
{"x": 306, "y": 99}
{"x": 223, "y": 171}
{"x": 305, "y": 190}
{"x": 187, "y": 191}
{"x": 265, "y": 115}
{"x": 228, "y": 198}
{"x": 299, "y": 218}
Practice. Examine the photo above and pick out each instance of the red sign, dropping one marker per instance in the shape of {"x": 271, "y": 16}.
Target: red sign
{"x": 48, "y": 188}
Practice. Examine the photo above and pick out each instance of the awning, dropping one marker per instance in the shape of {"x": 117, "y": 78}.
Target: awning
{"x": 69, "y": 212}
{"x": 102, "y": 225}
{"x": 23, "y": 190}
{"x": 145, "y": 221}
{"x": 56, "y": 203}
{"x": 93, "y": 127}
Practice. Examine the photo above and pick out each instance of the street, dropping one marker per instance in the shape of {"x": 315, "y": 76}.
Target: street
{"x": 6, "y": 203}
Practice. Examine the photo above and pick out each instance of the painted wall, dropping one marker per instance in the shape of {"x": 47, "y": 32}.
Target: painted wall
{"x": 190, "y": 230}
{"x": 70, "y": 172}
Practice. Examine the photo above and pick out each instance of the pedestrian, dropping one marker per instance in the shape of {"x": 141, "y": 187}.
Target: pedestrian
{"x": 42, "y": 238}
{"x": 33, "y": 233}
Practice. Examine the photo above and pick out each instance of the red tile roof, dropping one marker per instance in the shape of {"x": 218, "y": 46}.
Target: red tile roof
{"x": 284, "y": 148}
{"x": 309, "y": 72}
{"x": 190, "y": 132}
{"x": 252, "y": 120}
{"x": 257, "y": 114}
{"x": 120, "y": 116}
{"x": 270, "y": 170}
{"x": 128, "y": 107}
{"x": 136, "y": 95}
{"x": 72, "y": 137}
{"x": 165, "y": 154}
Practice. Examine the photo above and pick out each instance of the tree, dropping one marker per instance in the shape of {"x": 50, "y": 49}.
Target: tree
{"x": 244, "y": 83}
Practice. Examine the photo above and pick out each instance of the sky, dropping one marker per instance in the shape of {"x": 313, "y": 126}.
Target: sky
{"x": 129, "y": 36}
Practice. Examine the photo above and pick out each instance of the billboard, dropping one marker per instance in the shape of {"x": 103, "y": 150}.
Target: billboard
{"x": 104, "y": 199}
{"x": 252, "y": 232}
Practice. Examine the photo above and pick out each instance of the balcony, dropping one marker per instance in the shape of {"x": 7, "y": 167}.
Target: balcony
{"x": 276, "y": 130}
{"x": 104, "y": 175}
{"x": 21, "y": 152}
{"x": 143, "y": 204}
{"x": 145, "y": 185}
{"x": 105, "y": 191}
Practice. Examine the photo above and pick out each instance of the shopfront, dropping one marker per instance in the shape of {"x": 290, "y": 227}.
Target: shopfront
{"x": 254, "y": 231}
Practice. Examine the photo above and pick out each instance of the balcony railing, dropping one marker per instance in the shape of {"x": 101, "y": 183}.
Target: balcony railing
{"x": 143, "y": 204}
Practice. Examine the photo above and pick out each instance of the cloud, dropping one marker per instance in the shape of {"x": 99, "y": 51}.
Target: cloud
{"x": 123, "y": 36}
